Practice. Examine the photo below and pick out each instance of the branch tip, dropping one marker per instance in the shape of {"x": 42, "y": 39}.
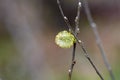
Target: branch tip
{"x": 79, "y": 4}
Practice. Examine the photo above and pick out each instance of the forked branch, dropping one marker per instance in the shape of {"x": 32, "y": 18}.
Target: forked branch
{"x": 78, "y": 40}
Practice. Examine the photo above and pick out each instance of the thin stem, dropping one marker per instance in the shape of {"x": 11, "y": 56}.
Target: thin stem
{"x": 64, "y": 17}
{"x": 89, "y": 59}
{"x": 80, "y": 43}
{"x": 74, "y": 46}
{"x": 77, "y": 18}
{"x": 73, "y": 62}
{"x": 98, "y": 40}
{"x": 87, "y": 56}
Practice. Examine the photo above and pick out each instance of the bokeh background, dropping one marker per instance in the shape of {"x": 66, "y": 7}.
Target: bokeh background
{"x": 27, "y": 33}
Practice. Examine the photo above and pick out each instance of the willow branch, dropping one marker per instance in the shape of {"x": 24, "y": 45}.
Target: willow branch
{"x": 98, "y": 40}
{"x": 77, "y": 18}
{"x": 87, "y": 55}
{"x": 73, "y": 62}
{"x": 64, "y": 17}
{"x": 79, "y": 41}
{"x": 74, "y": 46}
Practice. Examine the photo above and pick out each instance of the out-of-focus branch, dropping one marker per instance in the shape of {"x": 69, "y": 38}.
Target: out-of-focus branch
{"x": 98, "y": 40}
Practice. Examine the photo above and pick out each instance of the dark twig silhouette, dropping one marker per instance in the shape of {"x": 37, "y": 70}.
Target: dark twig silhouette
{"x": 74, "y": 46}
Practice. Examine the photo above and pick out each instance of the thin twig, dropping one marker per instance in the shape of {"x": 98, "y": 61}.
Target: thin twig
{"x": 87, "y": 56}
{"x": 64, "y": 17}
{"x": 74, "y": 46}
{"x": 77, "y": 19}
{"x": 73, "y": 62}
{"x": 79, "y": 41}
{"x": 89, "y": 59}
{"x": 98, "y": 40}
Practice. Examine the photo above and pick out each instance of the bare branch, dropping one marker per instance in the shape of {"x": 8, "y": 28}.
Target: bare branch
{"x": 77, "y": 18}
{"x": 98, "y": 40}
{"x": 89, "y": 59}
{"x": 79, "y": 41}
{"x": 74, "y": 46}
{"x": 64, "y": 17}
{"x": 87, "y": 56}
{"x": 73, "y": 62}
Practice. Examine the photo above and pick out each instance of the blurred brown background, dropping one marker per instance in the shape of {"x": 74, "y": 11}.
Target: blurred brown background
{"x": 28, "y": 29}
